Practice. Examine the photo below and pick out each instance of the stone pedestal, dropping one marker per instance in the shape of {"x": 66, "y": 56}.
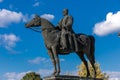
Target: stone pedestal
{"x": 67, "y": 77}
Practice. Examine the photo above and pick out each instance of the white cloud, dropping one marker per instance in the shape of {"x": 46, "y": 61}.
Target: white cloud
{"x": 48, "y": 16}
{"x": 36, "y": 4}
{"x": 113, "y": 75}
{"x": 8, "y": 41}
{"x": 19, "y": 76}
{"x": 45, "y": 72}
{"x": 37, "y": 60}
{"x": 14, "y": 75}
{"x": 62, "y": 60}
{"x": 110, "y": 25}
{"x": 28, "y": 17}
{"x": 7, "y": 17}
{"x": 1, "y": 1}
{"x": 114, "y": 79}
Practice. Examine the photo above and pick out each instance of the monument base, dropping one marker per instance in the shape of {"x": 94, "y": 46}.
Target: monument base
{"x": 67, "y": 77}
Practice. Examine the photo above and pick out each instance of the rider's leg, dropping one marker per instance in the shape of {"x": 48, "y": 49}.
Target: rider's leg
{"x": 75, "y": 43}
{"x": 63, "y": 39}
{"x": 71, "y": 42}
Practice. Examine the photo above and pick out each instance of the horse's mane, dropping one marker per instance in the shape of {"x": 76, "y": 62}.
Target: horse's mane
{"x": 47, "y": 22}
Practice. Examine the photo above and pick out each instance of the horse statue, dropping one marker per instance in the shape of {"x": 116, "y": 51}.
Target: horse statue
{"x": 52, "y": 42}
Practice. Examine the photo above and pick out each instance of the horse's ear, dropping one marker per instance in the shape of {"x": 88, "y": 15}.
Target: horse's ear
{"x": 36, "y": 15}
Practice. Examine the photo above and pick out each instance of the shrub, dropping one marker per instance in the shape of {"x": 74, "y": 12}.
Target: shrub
{"x": 31, "y": 76}
{"x": 82, "y": 71}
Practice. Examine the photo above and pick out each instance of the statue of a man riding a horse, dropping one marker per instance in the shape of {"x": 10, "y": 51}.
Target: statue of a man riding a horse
{"x": 61, "y": 40}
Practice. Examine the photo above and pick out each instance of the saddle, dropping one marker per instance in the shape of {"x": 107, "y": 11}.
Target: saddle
{"x": 73, "y": 41}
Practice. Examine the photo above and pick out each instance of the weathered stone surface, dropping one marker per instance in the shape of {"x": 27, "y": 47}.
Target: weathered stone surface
{"x": 67, "y": 77}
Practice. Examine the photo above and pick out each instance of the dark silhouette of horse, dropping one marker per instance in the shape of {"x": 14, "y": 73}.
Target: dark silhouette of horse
{"x": 52, "y": 42}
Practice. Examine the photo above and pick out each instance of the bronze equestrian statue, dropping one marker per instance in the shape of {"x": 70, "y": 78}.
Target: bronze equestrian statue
{"x": 52, "y": 38}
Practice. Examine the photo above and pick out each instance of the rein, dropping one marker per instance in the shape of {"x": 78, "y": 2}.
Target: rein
{"x": 34, "y": 30}
{"x": 50, "y": 28}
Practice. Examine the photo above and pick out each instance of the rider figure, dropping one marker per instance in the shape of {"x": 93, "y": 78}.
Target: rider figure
{"x": 67, "y": 33}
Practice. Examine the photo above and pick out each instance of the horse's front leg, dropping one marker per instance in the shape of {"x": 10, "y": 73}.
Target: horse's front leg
{"x": 54, "y": 50}
{"x": 53, "y": 61}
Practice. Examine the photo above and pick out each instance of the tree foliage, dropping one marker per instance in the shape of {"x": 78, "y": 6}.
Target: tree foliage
{"x": 82, "y": 71}
{"x": 31, "y": 76}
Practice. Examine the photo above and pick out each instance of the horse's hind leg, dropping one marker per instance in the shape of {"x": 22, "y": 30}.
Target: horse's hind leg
{"x": 81, "y": 55}
{"x": 53, "y": 61}
{"x": 92, "y": 61}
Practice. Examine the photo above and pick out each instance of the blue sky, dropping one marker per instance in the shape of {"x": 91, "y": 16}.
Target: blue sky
{"x": 23, "y": 50}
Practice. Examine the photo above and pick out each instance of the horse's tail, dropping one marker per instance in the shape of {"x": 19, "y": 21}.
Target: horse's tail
{"x": 92, "y": 47}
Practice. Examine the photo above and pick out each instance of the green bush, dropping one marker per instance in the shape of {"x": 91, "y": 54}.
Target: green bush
{"x": 31, "y": 76}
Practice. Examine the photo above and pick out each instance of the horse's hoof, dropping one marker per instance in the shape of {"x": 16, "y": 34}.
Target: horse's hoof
{"x": 88, "y": 75}
{"x": 57, "y": 74}
{"x": 54, "y": 74}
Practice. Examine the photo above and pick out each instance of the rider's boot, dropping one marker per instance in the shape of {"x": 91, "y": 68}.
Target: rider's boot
{"x": 64, "y": 43}
{"x": 71, "y": 42}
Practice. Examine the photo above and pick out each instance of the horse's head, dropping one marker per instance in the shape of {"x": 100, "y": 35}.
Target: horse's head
{"x": 36, "y": 21}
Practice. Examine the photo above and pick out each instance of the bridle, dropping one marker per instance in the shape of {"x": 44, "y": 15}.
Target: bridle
{"x": 36, "y": 30}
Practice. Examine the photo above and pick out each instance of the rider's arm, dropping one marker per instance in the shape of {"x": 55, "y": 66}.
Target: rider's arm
{"x": 59, "y": 25}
